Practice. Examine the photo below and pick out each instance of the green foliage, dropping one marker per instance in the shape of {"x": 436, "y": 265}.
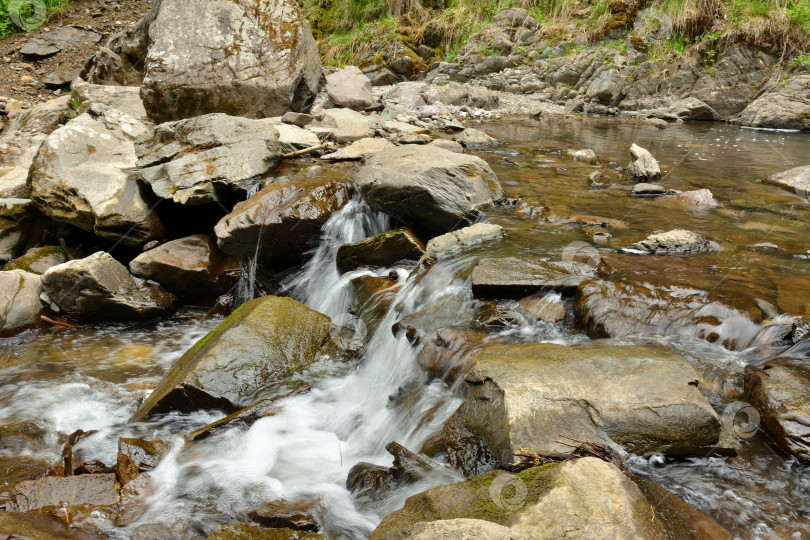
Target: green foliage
{"x": 26, "y": 13}
{"x": 800, "y": 62}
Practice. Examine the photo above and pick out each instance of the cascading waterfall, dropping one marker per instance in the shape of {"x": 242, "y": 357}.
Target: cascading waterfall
{"x": 307, "y": 450}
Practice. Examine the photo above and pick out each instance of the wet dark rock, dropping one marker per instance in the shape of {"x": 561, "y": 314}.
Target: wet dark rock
{"x": 538, "y": 396}
{"x": 453, "y": 243}
{"x": 258, "y": 74}
{"x": 20, "y": 226}
{"x": 674, "y": 242}
{"x": 100, "y": 288}
{"x": 495, "y": 314}
{"x": 136, "y": 456}
{"x": 466, "y": 451}
{"x": 14, "y": 470}
{"x": 374, "y": 481}
{"x": 193, "y": 268}
{"x": 21, "y": 437}
{"x": 614, "y": 309}
{"x": 796, "y": 180}
{"x": 14, "y": 525}
{"x": 429, "y": 188}
{"x": 374, "y": 296}
{"x": 286, "y": 216}
{"x": 48, "y": 493}
{"x": 20, "y": 306}
{"x": 780, "y": 391}
{"x": 350, "y": 88}
{"x": 547, "y": 307}
{"x": 513, "y": 277}
{"x": 39, "y": 259}
{"x": 443, "y": 354}
{"x": 83, "y": 176}
{"x": 558, "y": 499}
{"x": 383, "y": 250}
{"x": 642, "y": 167}
{"x": 246, "y": 531}
{"x": 300, "y": 515}
{"x": 245, "y": 417}
{"x": 447, "y": 311}
{"x": 195, "y": 161}
{"x": 252, "y": 355}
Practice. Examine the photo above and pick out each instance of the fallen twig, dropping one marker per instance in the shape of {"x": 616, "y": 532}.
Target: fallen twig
{"x": 304, "y": 151}
{"x": 59, "y": 323}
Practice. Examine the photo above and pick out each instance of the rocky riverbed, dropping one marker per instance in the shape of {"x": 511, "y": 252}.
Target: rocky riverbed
{"x": 264, "y": 299}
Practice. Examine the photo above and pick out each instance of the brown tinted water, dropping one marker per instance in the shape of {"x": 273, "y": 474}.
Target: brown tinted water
{"x": 93, "y": 378}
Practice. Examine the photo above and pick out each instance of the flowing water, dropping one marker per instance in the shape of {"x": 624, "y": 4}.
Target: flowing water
{"x": 94, "y": 377}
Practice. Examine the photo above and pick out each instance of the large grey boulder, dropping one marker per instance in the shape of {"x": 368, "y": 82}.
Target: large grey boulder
{"x": 193, "y": 268}
{"x": 349, "y": 88}
{"x": 254, "y": 354}
{"x": 796, "y": 180}
{"x": 192, "y": 161}
{"x": 100, "y": 288}
{"x": 539, "y": 396}
{"x": 84, "y": 175}
{"x": 643, "y": 167}
{"x": 346, "y": 125}
{"x": 780, "y": 391}
{"x": 17, "y": 152}
{"x": 674, "y": 242}
{"x": 428, "y": 188}
{"x": 251, "y": 58}
{"x": 282, "y": 221}
{"x": 781, "y": 107}
{"x": 20, "y": 305}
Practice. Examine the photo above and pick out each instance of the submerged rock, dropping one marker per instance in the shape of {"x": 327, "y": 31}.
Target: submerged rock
{"x": 244, "y": 58}
{"x": 15, "y": 525}
{"x": 780, "y": 391}
{"x": 192, "y": 268}
{"x": 547, "y": 307}
{"x": 350, "y": 88}
{"x": 100, "y": 288}
{"x": 136, "y": 456}
{"x": 247, "y": 531}
{"x": 193, "y": 161}
{"x": 513, "y": 277}
{"x": 567, "y": 500}
{"x": 48, "y": 493}
{"x": 282, "y": 514}
{"x": 429, "y": 188}
{"x": 539, "y": 396}
{"x": 644, "y": 188}
{"x": 254, "y": 353}
{"x": 383, "y": 250}
{"x": 674, "y": 242}
{"x": 20, "y": 306}
{"x": 796, "y": 180}
{"x": 286, "y": 217}
{"x": 642, "y": 167}
{"x": 617, "y": 309}
{"x": 83, "y": 175}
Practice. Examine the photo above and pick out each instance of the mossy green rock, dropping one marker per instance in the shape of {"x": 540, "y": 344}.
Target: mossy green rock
{"x": 382, "y": 250}
{"x": 252, "y": 355}
{"x": 583, "y": 498}
{"x": 536, "y": 395}
{"x": 38, "y": 260}
{"x": 246, "y": 531}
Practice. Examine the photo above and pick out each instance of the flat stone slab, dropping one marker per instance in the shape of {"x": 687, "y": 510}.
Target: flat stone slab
{"x": 513, "y": 277}
{"x": 53, "y": 42}
{"x": 49, "y": 492}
